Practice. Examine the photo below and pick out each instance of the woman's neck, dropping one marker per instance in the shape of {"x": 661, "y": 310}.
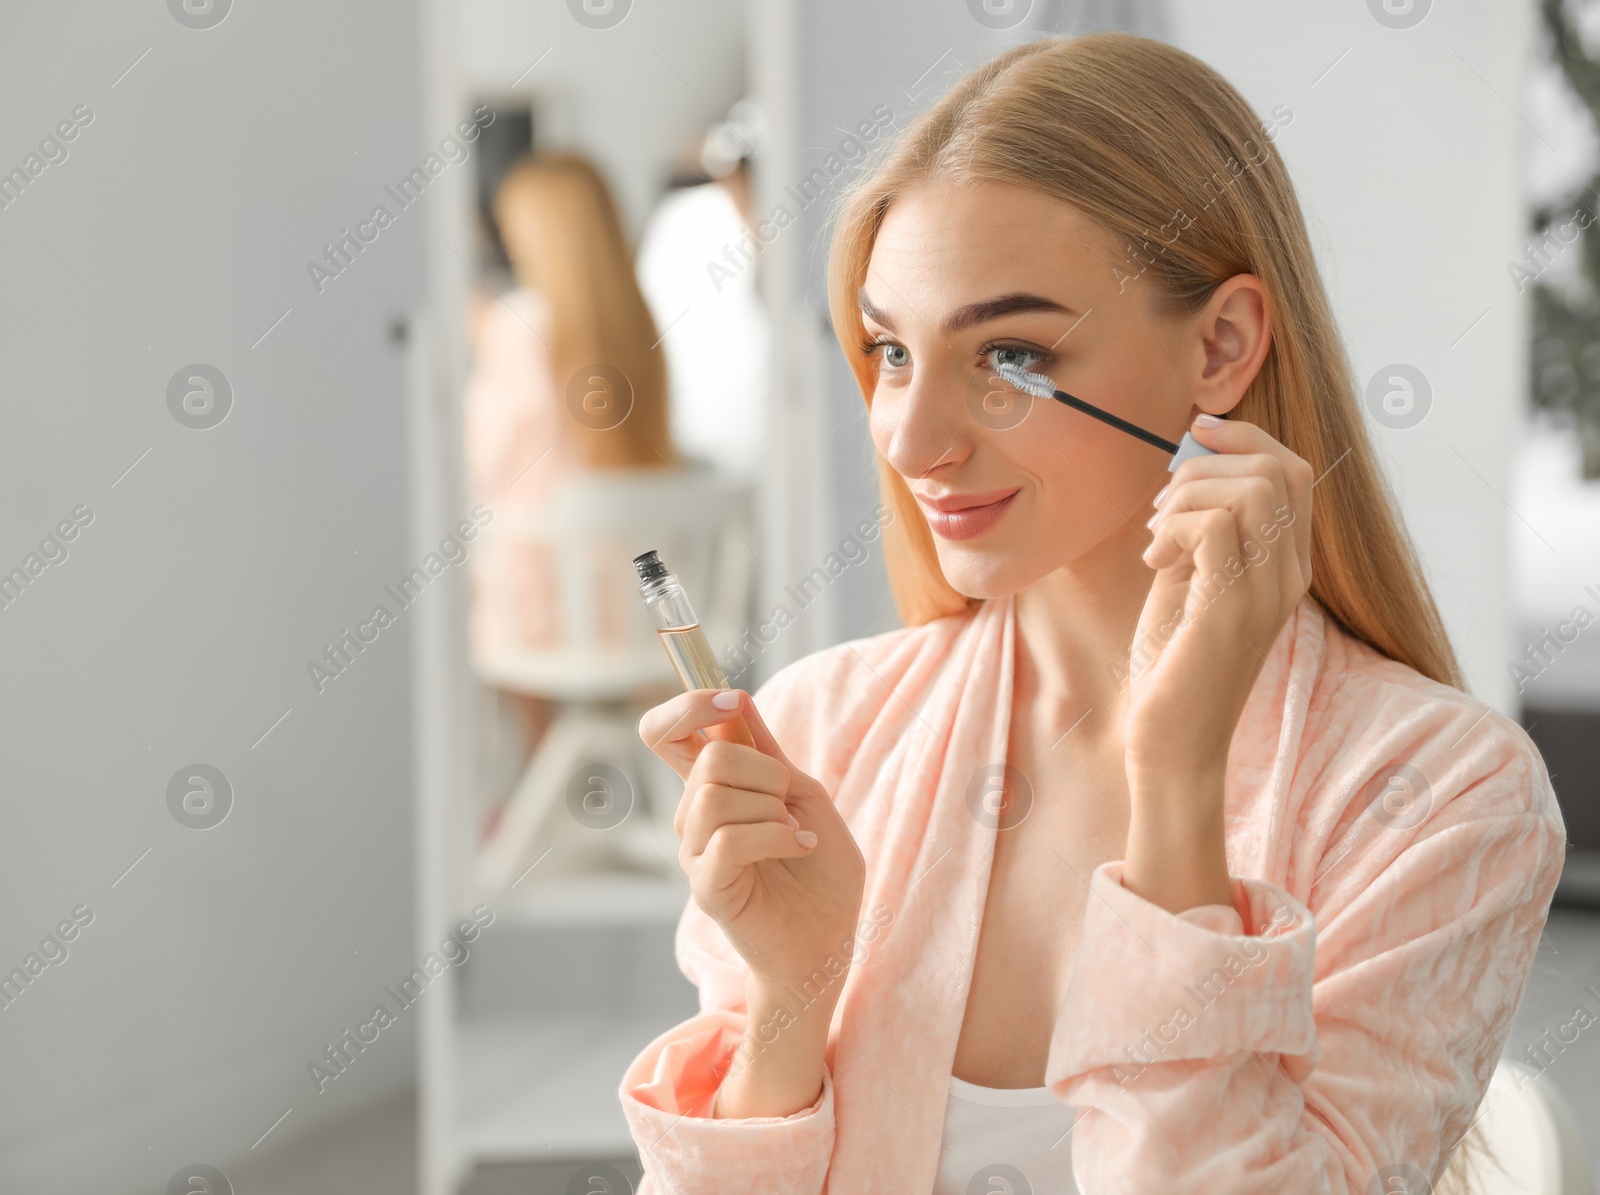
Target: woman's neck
{"x": 1074, "y": 629}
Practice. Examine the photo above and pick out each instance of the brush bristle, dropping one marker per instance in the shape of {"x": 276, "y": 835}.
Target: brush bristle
{"x": 1035, "y": 384}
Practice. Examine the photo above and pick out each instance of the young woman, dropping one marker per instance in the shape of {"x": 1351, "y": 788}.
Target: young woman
{"x": 1158, "y": 859}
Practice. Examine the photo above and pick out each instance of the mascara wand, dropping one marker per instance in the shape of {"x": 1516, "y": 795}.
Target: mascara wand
{"x": 1040, "y": 386}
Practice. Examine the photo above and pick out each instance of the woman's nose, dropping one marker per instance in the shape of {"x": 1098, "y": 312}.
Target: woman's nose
{"x": 929, "y": 426}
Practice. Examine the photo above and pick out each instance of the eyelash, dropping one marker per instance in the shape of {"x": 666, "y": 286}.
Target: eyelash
{"x": 870, "y": 348}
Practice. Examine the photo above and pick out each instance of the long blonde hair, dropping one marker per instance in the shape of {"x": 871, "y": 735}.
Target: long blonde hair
{"x": 565, "y": 239}
{"x": 1131, "y": 131}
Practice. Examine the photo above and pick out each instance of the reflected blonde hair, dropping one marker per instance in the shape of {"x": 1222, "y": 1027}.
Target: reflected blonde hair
{"x": 565, "y": 240}
{"x": 1131, "y": 131}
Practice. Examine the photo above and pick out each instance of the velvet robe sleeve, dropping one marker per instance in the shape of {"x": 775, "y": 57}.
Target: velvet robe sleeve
{"x": 666, "y": 1092}
{"x": 1311, "y": 1043}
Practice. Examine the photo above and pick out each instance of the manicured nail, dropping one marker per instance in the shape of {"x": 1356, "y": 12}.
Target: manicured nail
{"x": 1153, "y": 519}
{"x": 805, "y": 838}
{"x": 728, "y": 699}
{"x": 1156, "y": 501}
{"x": 1207, "y": 421}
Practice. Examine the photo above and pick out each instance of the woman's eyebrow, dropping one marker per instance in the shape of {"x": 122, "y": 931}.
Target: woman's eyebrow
{"x": 975, "y": 313}
{"x": 872, "y": 312}
{"x": 988, "y": 309}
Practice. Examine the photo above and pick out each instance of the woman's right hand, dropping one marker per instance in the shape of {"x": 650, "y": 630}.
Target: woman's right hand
{"x": 784, "y": 906}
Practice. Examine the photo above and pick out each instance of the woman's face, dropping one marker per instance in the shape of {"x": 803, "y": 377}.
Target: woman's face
{"x": 964, "y": 278}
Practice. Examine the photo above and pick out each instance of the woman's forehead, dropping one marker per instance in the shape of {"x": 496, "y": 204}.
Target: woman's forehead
{"x": 942, "y": 249}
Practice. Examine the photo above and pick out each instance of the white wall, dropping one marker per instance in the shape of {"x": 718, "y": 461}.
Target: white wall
{"x": 215, "y": 568}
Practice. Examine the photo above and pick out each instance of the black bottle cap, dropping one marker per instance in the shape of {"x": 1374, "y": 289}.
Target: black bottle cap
{"x": 649, "y": 567}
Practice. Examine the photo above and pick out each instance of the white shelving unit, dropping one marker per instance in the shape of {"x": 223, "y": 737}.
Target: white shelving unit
{"x": 619, "y": 899}
{"x": 521, "y": 1050}
{"x": 524, "y": 1047}
{"x": 546, "y": 1090}
{"x": 530, "y": 1037}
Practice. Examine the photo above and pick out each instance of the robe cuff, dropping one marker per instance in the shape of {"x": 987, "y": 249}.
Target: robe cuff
{"x": 666, "y": 1095}
{"x": 1150, "y": 986}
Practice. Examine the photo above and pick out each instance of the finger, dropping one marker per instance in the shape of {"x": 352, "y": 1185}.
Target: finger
{"x": 1250, "y": 496}
{"x": 766, "y": 743}
{"x": 1264, "y": 530}
{"x": 733, "y": 766}
{"x": 1260, "y": 527}
{"x": 1206, "y": 542}
{"x": 672, "y": 729}
{"x": 1254, "y": 464}
{"x": 1235, "y": 436}
{"x": 1210, "y": 583}
{"x": 736, "y": 766}
{"x": 714, "y": 805}
{"x": 735, "y": 847}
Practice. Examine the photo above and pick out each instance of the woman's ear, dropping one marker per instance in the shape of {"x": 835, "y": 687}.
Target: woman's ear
{"x": 1235, "y": 329}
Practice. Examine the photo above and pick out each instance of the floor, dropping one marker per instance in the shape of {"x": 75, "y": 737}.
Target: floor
{"x": 373, "y": 1154}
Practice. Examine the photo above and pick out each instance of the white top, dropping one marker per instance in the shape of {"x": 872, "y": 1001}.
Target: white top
{"x": 1000, "y": 1140}
{"x": 697, "y": 270}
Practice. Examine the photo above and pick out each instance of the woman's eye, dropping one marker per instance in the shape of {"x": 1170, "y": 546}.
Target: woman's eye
{"x": 1023, "y": 358}
{"x": 896, "y": 356}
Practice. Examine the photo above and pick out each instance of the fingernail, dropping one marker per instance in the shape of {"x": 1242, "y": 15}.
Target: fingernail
{"x": 1207, "y": 421}
{"x": 794, "y": 822}
{"x": 1153, "y": 519}
{"x": 805, "y": 838}
{"x": 728, "y": 699}
{"x": 1156, "y": 501}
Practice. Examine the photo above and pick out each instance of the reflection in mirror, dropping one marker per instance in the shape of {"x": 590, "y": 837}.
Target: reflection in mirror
{"x": 614, "y": 401}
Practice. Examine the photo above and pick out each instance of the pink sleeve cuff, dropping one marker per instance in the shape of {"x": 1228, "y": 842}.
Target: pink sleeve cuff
{"x": 666, "y": 1096}
{"x": 1149, "y": 986}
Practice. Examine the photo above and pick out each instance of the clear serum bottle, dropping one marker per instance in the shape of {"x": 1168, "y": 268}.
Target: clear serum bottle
{"x": 684, "y": 641}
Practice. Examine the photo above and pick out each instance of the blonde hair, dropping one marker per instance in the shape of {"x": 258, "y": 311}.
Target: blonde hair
{"x": 1131, "y": 132}
{"x": 565, "y": 239}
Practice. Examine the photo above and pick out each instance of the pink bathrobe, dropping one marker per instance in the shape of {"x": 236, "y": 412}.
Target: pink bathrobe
{"x": 1345, "y": 1015}
{"x": 516, "y": 460}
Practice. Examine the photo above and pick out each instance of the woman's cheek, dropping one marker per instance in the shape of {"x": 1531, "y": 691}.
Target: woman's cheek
{"x": 881, "y": 422}
{"x": 1099, "y": 488}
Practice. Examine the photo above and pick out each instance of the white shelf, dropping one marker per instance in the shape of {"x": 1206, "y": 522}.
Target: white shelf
{"x": 545, "y": 1090}
{"x": 617, "y": 898}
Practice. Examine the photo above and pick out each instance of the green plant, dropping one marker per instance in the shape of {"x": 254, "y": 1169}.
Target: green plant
{"x": 1565, "y": 358}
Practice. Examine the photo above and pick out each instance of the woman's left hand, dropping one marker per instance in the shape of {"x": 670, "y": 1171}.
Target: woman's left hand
{"x": 1232, "y": 554}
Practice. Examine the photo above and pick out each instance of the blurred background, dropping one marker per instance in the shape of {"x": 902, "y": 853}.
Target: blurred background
{"x": 350, "y": 352}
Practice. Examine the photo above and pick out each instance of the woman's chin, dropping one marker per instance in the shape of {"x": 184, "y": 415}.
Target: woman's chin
{"x": 984, "y": 580}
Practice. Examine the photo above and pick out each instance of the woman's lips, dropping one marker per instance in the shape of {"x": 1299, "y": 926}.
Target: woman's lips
{"x": 971, "y": 522}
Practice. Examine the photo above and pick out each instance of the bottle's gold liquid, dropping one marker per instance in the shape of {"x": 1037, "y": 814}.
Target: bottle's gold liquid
{"x": 692, "y": 658}
{"x": 697, "y": 667}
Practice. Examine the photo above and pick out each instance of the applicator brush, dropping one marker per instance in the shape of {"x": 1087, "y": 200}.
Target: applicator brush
{"x": 1040, "y": 386}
